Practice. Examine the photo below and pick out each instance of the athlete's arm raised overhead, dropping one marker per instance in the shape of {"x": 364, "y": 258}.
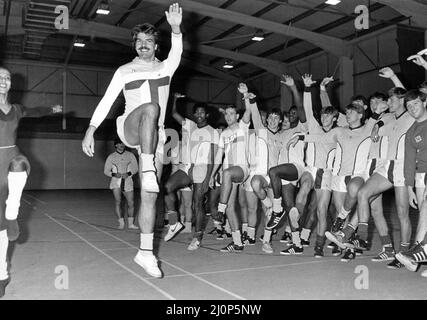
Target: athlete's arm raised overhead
{"x": 252, "y": 106}
{"x": 174, "y": 18}
{"x": 175, "y": 114}
{"x": 247, "y": 114}
{"x": 389, "y": 74}
{"x": 289, "y": 82}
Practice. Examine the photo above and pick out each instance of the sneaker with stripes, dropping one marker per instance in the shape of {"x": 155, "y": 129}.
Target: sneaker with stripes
{"x": 337, "y": 238}
{"x": 349, "y": 255}
{"x": 293, "y": 250}
{"x": 395, "y": 264}
{"x": 387, "y": 254}
{"x": 358, "y": 244}
{"x": 412, "y": 257}
{"x": 231, "y": 247}
{"x": 275, "y": 219}
{"x": 337, "y": 225}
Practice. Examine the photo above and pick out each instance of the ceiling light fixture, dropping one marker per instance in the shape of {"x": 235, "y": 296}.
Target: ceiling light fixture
{"x": 79, "y": 43}
{"x": 333, "y": 2}
{"x": 258, "y": 36}
{"x": 228, "y": 64}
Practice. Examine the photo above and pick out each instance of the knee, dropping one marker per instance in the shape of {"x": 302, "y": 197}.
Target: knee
{"x": 402, "y": 211}
{"x": 130, "y": 204}
{"x": 353, "y": 190}
{"x": 272, "y": 172}
{"x": 151, "y": 110}
{"x": 169, "y": 187}
{"x": 256, "y": 184}
{"x": 226, "y": 175}
{"x": 19, "y": 163}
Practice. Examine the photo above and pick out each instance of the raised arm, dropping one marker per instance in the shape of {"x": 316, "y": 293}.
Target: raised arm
{"x": 324, "y": 97}
{"x": 418, "y": 59}
{"x": 252, "y": 106}
{"x": 243, "y": 89}
{"x": 175, "y": 114}
{"x": 289, "y": 82}
{"x": 174, "y": 18}
{"x": 388, "y": 73}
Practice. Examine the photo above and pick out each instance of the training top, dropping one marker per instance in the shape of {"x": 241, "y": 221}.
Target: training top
{"x": 120, "y": 163}
{"x": 294, "y": 154}
{"x": 141, "y": 82}
{"x": 9, "y": 125}
{"x": 319, "y": 154}
{"x": 352, "y": 147}
{"x": 378, "y": 150}
{"x": 234, "y": 141}
{"x": 196, "y": 143}
{"x": 395, "y": 131}
{"x": 415, "y": 151}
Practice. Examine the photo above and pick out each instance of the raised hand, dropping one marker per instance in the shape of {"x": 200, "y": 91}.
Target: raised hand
{"x": 326, "y": 81}
{"x": 57, "y": 108}
{"x": 422, "y": 52}
{"x": 287, "y": 80}
{"x": 178, "y": 95}
{"x": 174, "y": 16}
{"x": 308, "y": 81}
{"x": 418, "y": 60}
{"x": 386, "y": 73}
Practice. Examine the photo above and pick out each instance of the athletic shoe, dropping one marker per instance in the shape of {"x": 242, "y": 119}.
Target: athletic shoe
{"x": 336, "y": 251}
{"x": 267, "y": 247}
{"x": 358, "y": 252}
{"x": 219, "y": 217}
{"x": 424, "y": 274}
{"x": 293, "y": 250}
{"x": 294, "y": 217}
{"x": 337, "y": 238}
{"x": 386, "y": 255}
{"x": 216, "y": 232}
{"x": 224, "y": 235}
{"x": 149, "y": 182}
{"x": 357, "y": 244}
{"x": 12, "y": 229}
{"x": 3, "y": 284}
{"x": 337, "y": 225}
{"x": 331, "y": 245}
{"x": 395, "y": 264}
{"x": 305, "y": 243}
{"x": 286, "y": 238}
{"x": 149, "y": 264}
{"x": 121, "y": 224}
{"x": 410, "y": 264}
{"x": 318, "y": 252}
{"x": 194, "y": 245}
{"x": 231, "y": 247}
{"x": 349, "y": 255}
{"x": 248, "y": 241}
{"x": 275, "y": 219}
{"x": 416, "y": 254}
{"x": 173, "y": 230}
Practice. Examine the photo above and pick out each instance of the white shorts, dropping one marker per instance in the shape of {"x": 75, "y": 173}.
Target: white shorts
{"x": 322, "y": 178}
{"x": 339, "y": 183}
{"x": 420, "y": 180}
{"x": 392, "y": 170}
{"x": 120, "y": 123}
{"x": 118, "y": 183}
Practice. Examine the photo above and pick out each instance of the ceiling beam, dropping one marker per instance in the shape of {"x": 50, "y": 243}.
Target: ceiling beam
{"x": 410, "y": 8}
{"x": 333, "y": 45}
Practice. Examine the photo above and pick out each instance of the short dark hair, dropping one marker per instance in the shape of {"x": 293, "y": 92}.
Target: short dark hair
{"x": 198, "y": 105}
{"x": 329, "y": 110}
{"x": 357, "y": 108}
{"x": 415, "y": 94}
{"x": 361, "y": 98}
{"x": 275, "y": 111}
{"x": 146, "y": 28}
{"x": 397, "y": 91}
{"x": 117, "y": 141}
{"x": 378, "y": 95}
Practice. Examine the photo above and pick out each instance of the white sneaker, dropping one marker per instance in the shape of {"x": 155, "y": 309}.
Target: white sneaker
{"x": 121, "y": 224}
{"x": 294, "y": 217}
{"x": 149, "y": 182}
{"x": 173, "y": 230}
{"x": 149, "y": 264}
{"x": 267, "y": 248}
{"x": 131, "y": 224}
{"x": 194, "y": 245}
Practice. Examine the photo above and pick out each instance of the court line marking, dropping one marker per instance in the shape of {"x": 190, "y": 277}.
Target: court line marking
{"x": 164, "y": 261}
{"x": 32, "y": 197}
{"x": 167, "y": 295}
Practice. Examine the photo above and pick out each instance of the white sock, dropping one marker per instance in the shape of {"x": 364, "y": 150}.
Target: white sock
{"x": 4, "y": 243}
{"x": 16, "y": 183}
{"x": 244, "y": 227}
{"x": 267, "y": 236}
{"x": 305, "y": 234}
{"x": 147, "y": 161}
{"x": 343, "y": 213}
{"x": 222, "y": 207}
{"x": 237, "y": 237}
{"x": 296, "y": 239}
{"x": 146, "y": 246}
{"x": 131, "y": 221}
{"x": 267, "y": 202}
{"x": 227, "y": 227}
{"x": 251, "y": 232}
{"x": 277, "y": 204}
{"x": 288, "y": 228}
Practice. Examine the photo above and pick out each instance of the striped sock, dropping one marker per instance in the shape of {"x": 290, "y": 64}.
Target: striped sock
{"x": 343, "y": 213}
{"x": 146, "y": 243}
